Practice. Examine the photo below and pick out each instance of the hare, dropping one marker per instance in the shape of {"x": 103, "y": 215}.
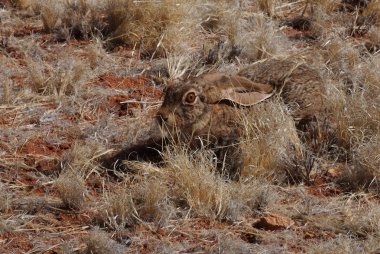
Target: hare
{"x": 202, "y": 111}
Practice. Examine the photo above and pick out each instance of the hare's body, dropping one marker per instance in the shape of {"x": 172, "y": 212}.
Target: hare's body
{"x": 201, "y": 111}
{"x": 300, "y": 86}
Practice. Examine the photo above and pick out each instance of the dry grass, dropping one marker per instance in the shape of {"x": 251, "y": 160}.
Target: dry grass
{"x": 50, "y": 12}
{"x": 273, "y": 139}
{"x": 65, "y": 67}
{"x": 98, "y": 242}
{"x": 146, "y": 26}
{"x": 71, "y": 189}
{"x": 5, "y": 200}
{"x": 62, "y": 78}
{"x": 6, "y": 93}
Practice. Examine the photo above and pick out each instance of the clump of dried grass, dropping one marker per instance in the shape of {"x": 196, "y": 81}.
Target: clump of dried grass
{"x": 187, "y": 185}
{"x": 259, "y": 38}
{"x": 353, "y": 215}
{"x": 342, "y": 244}
{"x": 153, "y": 202}
{"x": 142, "y": 24}
{"x": 83, "y": 156}
{"x": 327, "y": 6}
{"x": 77, "y": 164}
{"x": 118, "y": 210}
{"x": 50, "y": 13}
{"x": 138, "y": 200}
{"x": 5, "y": 199}
{"x": 341, "y": 57}
{"x": 79, "y": 19}
{"x": 361, "y": 216}
{"x": 364, "y": 173}
{"x": 227, "y": 245}
{"x": 267, "y": 6}
{"x": 71, "y": 188}
{"x": 205, "y": 193}
{"x": 98, "y": 242}
{"x": 96, "y": 54}
{"x": 355, "y": 118}
{"x": 63, "y": 78}
{"x": 6, "y": 91}
{"x": 197, "y": 185}
{"x": 272, "y": 147}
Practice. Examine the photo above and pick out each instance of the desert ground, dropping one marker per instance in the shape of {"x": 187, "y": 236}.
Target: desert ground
{"x": 82, "y": 79}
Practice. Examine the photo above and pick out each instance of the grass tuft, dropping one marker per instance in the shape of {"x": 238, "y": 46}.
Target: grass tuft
{"x": 59, "y": 80}
{"x": 5, "y": 200}
{"x": 6, "y": 92}
{"x": 205, "y": 192}
{"x": 71, "y": 189}
{"x": 119, "y": 210}
{"x": 98, "y": 242}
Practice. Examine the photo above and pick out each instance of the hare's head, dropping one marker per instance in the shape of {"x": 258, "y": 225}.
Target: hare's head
{"x": 188, "y": 106}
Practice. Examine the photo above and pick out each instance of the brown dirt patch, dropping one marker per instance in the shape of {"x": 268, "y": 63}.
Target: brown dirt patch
{"x": 6, "y": 119}
{"x": 15, "y": 241}
{"x": 28, "y": 30}
{"x": 41, "y": 154}
{"x": 324, "y": 187}
{"x": 136, "y": 91}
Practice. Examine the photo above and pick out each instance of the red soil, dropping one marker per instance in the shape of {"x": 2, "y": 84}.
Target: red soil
{"x": 41, "y": 154}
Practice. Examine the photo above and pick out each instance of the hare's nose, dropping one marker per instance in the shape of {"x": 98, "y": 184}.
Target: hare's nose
{"x": 161, "y": 119}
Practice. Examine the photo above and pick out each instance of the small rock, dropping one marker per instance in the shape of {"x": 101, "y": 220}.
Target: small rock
{"x": 273, "y": 222}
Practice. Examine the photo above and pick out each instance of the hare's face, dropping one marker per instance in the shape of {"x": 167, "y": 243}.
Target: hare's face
{"x": 184, "y": 109}
{"x": 189, "y": 106}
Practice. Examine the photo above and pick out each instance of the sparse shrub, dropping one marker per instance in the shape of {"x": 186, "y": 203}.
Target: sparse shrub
{"x": 198, "y": 188}
{"x": 59, "y": 80}
{"x": 364, "y": 171}
{"x": 98, "y": 242}
{"x": 82, "y": 156}
{"x": 118, "y": 210}
{"x": 259, "y": 38}
{"x": 132, "y": 204}
{"x": 50, "y": 12}
{"x": 271, "y": 140}
{"x": 142, "y": 24}
{"x": 152, "y": 201}
{"x": 71, "y": 189}
{"x": 267, "y": 6}
{"x": 227, "y": 245}
{"x": 79, "y": 19}
{"x": 95, "y": 54}
{"x": 299, "y": 168}
{"x": 6, "y": 91}
{"x": 4, "y": 199}
{"x": 361, "y": 217}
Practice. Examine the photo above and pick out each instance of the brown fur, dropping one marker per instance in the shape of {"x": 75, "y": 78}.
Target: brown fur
{"x": 210, "y": 118}
{"x": 217, "y": 124}
{"x": 300, "y": 86}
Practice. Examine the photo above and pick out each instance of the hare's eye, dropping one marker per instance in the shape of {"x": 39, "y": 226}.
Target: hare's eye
{"x": 190, "y": 97}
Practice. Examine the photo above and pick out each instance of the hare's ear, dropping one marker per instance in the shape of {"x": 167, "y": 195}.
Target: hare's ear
{"x": 237, "y": 89}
